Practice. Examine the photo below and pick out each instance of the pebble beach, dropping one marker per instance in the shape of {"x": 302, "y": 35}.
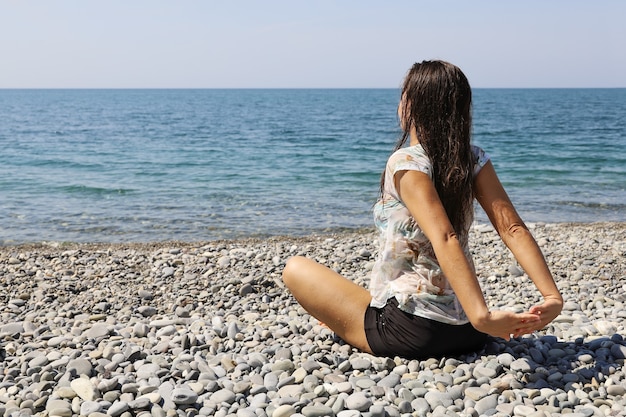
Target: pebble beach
{"x": 208, "y": 329}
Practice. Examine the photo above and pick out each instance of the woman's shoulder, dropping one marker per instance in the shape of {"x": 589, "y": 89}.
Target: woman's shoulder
{"x": 409, "y": 153}
{"x": 409, "y": 158}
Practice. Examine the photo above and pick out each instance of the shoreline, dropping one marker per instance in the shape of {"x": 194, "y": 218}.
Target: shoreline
{"x": 208, "y": 329}
{"x": 255, "y": 239}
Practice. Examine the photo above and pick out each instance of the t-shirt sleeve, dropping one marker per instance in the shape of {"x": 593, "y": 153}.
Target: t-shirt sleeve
{"x": 482, "y": 158}
{"x": 404, "y": 160}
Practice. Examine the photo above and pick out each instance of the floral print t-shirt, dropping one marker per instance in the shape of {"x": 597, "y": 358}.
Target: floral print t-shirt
{"x": 406, "y": 267}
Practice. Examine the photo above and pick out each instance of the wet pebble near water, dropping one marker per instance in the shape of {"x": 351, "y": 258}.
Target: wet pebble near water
{"x": 208, "y": 329}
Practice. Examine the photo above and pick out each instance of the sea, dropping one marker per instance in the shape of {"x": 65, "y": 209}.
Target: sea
{"x": 117, "y": 166}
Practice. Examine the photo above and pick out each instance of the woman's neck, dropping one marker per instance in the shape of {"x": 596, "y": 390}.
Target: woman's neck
{"x": 413, "y": 140}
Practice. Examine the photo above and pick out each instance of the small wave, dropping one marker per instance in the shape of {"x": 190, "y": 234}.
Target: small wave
{"x": 593, "y": 205}
{"x": 88, "y": 190}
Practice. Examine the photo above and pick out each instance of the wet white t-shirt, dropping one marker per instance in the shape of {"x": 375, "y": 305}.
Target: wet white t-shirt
{"x": 406, "y": 267}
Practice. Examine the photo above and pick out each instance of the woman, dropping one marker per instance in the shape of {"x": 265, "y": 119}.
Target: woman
{"x": 424, "y": 298}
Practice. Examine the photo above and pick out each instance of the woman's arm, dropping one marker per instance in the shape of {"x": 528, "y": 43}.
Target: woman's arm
{"x": 493, "y": 198}
{"x": 419, "y": 195}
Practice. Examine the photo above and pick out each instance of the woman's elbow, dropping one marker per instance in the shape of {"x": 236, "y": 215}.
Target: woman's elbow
{"x": 508, "y": 223}
{"x": 516, "y": 229}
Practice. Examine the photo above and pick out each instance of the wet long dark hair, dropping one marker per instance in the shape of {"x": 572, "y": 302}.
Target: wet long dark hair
{"x": 437, "y": 101}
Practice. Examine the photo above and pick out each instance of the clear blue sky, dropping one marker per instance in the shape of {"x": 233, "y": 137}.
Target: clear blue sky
{"x": 308, "y": 43}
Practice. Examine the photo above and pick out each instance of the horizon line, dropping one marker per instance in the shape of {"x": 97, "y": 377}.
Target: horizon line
{"x": 295, "y": 88}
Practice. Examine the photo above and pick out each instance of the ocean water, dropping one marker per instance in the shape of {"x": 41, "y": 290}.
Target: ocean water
{"x": 196, "y": 165}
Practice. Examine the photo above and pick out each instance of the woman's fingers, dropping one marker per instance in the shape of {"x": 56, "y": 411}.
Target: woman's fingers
{"x": 527, "y": 323}
{"x": 505, "y": 324}
{"x": 547, "y": 311}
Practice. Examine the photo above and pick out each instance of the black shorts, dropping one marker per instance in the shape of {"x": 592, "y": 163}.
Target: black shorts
{"x": 392, "y": 332}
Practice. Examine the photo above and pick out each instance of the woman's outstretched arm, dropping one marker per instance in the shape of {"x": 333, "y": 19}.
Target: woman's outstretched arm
{"x": 493, "y": 198}
{"x": 418, "y": 193}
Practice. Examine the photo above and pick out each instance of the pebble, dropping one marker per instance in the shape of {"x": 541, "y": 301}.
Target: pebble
{"x": 84, "y": 389}
{"x": 317, "y": 411}
{"x": 348, "y": 413}
{"x": 90, "y": 407}
{"x": 284, "y": 410}
{"x": 521, "y": 365}
{"x": 118, "y": 408}
{"x": 524, "y": 410}
{"x": 208, "y": 328}
{"x": 616, "y": 390}
{"x": 476, "y": 393}
{"x": 222, "y": 396}
{"x": 59, "y": 408}
{"x": 487, "y": 403}
{"x": 184, "y": 396}
{"x": 358, "y": 401}
{"x": 80, "y": 366}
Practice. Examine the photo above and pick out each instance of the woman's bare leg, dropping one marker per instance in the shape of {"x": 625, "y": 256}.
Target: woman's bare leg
{"x": 330, "y": 298}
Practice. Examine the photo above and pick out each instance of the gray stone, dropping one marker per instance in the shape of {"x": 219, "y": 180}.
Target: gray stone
{"x": 348, "y": 413}
{"x": 284, "y": 410}
{"x": 421, "y": 406}
{"x": 145, "y": 295}
{"x": 484, "y": 372}
{"x": 523, "y": 410}
{"x": 246, "y": 289}
{"x": 436, "y": 399}
{"x": 84, "y": 389}
{"x": 184, "y": 396}
{"x": 12, "y": 328}
{"x": 521, "y": 365}
{"x": 98, "y": 330}
{"x": 360, "y": 364}
{"x": 365, "y": 383}
{"x": 344, "y": 387}
{"x": 358, "y": 401}
{"x": 118, "y": 408}
{"x": 487, "y": 403}
{"x": 246, "y": 412}
{"x": 81, "y": 366}
{"x": 38, "y": 361}
{"x": 147, "y": 311}
{"x": 140, "y": 403}
{"x": 292, "y": 390}
{"x": 506, "y": 359}
{"x": 147, "y": 371}
{"x": 475, "y": 393}
{"x": 616, "y": 390}
{"x": 222, "y": 396}
{"x": 389, "y": 381}
{"x": 59, "y": 408}
{"x": 223, "y": 262}
{"x": 57, "y": 341}
{"x": 283, "y": 365}
{"x": 317, "y": 411}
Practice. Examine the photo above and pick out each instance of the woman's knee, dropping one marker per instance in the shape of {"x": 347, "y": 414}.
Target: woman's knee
{"x": 292, "y": 268}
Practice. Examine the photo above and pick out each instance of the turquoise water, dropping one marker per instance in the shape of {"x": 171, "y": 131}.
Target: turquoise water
{"x": 156, "y": 165}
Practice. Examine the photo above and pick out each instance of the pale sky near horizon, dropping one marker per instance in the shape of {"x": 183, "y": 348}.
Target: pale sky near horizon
{"x": 308, "y": 44}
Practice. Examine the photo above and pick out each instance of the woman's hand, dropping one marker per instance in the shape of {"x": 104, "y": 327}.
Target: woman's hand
{"x": 505, "y": 324}
{"x": 547, "y": 311}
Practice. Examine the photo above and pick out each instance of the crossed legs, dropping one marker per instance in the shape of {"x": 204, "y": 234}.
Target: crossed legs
{"x": 330, "y": 298}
